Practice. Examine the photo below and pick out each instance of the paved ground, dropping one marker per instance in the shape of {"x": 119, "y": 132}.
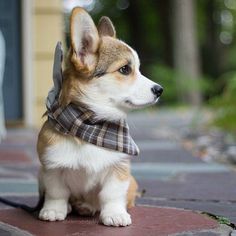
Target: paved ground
{"x": 180, "y": 179}
{"x": 169, "y": 175}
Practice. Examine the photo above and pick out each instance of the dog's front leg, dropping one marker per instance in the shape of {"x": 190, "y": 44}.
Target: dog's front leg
{"x": 113, "y": 202}
{"x": 56, "y": 195}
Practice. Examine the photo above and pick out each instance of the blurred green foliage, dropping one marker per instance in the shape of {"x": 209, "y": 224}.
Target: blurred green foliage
{"x": 225, "y": 104}
{"x": 164, "y": 75}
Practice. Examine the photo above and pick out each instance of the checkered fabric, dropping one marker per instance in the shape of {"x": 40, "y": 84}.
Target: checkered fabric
{"x": 79, "y": 121}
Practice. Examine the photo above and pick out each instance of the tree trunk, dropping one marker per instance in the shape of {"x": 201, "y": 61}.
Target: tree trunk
{"x": 185, "y": 48}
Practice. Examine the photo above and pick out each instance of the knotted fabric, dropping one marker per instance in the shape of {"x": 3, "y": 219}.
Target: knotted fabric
{"x": 81, "y": 122}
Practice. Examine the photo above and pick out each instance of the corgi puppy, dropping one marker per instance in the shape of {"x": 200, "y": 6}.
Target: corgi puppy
{"x": 101, "y": 73}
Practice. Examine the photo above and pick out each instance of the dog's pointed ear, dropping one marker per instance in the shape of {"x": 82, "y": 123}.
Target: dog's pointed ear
{"x": 106, "y": 27}
{"x": 84, "y": 40}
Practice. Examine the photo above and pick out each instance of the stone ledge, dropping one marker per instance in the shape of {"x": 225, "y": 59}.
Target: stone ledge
{"x": 146, "y": 221}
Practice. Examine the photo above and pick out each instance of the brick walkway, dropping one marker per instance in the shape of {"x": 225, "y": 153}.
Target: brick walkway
{"x": 170, "y": 176}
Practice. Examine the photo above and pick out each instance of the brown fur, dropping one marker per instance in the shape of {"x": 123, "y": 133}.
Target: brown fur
{"x": 106, "y": 28}
{"x": 132, "y": 192}
{"x": 48, "y": 136}
{"x": 122, "y": 171}
{"x": 84, "y": 68}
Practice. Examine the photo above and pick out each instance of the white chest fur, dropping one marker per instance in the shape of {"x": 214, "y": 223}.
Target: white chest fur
{"x": 73, "y": 155}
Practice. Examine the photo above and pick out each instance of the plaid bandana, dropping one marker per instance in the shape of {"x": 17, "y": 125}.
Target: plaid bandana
{"x": 81, "y": 122}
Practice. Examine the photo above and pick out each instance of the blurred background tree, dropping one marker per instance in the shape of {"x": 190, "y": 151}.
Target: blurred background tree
{"x": 188, "y": 46}
{"x": 186, "y": 51}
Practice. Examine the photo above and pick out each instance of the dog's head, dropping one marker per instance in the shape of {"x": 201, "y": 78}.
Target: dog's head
{"x": 102, "y": 71}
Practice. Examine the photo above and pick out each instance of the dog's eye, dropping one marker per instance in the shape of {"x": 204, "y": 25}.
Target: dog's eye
{"x": 125, "y": 70}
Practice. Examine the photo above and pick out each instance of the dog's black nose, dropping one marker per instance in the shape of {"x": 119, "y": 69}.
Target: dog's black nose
{"x": 157, "y": 90}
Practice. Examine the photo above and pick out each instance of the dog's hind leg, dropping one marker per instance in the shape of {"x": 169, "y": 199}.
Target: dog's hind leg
{"x": 132, "y": 192}
{"x": 84, "y": 209}
{"x": 86, "y": 205}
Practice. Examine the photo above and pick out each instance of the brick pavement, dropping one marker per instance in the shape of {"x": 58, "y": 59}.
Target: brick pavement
{"x": 170, "y": 175}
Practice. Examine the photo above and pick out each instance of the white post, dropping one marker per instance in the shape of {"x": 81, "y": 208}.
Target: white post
{"x": 2, "y": 68}
{"x": 27, "y": 61}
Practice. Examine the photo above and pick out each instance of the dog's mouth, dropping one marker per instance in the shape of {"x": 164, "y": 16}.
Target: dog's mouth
{"x": 130, "y": 104}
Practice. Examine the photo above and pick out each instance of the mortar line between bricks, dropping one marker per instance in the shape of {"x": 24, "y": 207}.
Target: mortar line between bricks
{"x": 189, "y": 200}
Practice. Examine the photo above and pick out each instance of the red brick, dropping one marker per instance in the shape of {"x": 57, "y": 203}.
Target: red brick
{"x": 151, "y": 221}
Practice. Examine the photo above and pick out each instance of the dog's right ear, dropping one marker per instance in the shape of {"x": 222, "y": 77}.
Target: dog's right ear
{"x": 84, "y": 40}
{"x": 106, "y": 27}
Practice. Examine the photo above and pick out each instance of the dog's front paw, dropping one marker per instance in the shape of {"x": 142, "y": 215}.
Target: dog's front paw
{"x": 51, "y": 215}
{"x": 115, "y": 219}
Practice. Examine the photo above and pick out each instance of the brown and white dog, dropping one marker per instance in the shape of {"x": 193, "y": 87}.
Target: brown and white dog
{"x": 79, "y": 174}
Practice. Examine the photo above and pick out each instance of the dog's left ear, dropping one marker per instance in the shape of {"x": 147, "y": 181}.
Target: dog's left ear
{"x": 84, "y": 40}
{"x": 106, "y": 27}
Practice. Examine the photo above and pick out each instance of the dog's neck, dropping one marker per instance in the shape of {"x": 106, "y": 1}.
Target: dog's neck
{"x": 106, "y": 111}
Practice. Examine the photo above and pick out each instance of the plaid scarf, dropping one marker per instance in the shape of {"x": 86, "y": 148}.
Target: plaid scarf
{"x": 81, "y": 122}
